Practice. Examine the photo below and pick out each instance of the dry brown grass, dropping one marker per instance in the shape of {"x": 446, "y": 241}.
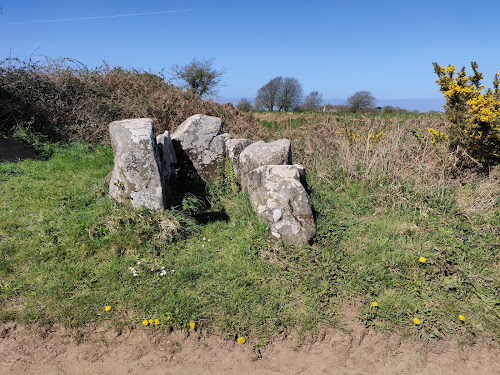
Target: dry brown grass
{"x": 394, "y": 151}
{"x": 368, "y": 147}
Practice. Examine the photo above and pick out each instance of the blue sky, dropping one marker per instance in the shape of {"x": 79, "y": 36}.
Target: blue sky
{"x": 334, "y": 47}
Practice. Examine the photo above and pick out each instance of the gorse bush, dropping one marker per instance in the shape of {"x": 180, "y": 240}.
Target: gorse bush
{"x": 67, "y": 101}
{"x": 474, "y": 113}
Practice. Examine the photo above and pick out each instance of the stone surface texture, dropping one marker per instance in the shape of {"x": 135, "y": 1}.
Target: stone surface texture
{"x": 260, "y": 153}
{"x": 135, "y": 178}
{"x": 278, "y": 196}
{"x": 167, "y": 165}
{"x": 234, "y": 147}
{"x": 200, "y": 147}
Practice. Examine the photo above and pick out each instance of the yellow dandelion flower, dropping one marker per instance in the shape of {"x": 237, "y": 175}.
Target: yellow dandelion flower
{"x": 6, "y": 285}
{"x": 241, "y": 340}
{"x": 151, "y": 321}
{"x": 157, "y": 322}
{"x": 416, "y": 321}
{"x": 422, "y": 260}
{"x": 107, "y": 308}
{"x": 145, "y": 322}
{"x": 461, "y": 317}
{"x": 192, "y": 325}
{"x": 375, "y": 304}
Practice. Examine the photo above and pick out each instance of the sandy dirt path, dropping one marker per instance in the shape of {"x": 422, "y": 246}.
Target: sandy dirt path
{"x": 41, "y": 351}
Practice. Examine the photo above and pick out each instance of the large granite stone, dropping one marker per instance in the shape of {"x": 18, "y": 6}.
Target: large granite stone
{"x": 279, "y": 197}
{"x": 200, "y": 148}
{"x": 135, "y": 178}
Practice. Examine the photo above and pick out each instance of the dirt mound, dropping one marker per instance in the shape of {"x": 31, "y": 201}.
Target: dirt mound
{"x": 35, "y": 350}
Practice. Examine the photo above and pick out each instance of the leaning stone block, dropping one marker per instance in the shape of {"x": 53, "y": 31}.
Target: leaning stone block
{"x": 168, "y": 162}
{"x": 234, "y": 147}
{"x": 136, "y": 174}
{"x": 200, "y": 147}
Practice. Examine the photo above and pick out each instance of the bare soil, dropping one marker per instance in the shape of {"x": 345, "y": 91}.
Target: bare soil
{"x": 12, "y": 150}
{"x": 355, "y": 350}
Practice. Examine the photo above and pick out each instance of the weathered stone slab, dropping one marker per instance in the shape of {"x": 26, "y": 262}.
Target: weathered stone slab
{"x": 234, "y": 147}
{"x": 135, "y": 178}
{"x": 278, "y": 196}
{"x": 260, "y": 153}
{"x": 168, "y": 162}
{"x": 200, "y": 147}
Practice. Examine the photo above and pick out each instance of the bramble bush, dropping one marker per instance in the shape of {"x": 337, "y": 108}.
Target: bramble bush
{"x": 474, "y": 114}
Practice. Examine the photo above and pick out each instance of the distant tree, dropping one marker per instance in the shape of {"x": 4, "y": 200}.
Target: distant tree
{"x": 267, "y": 96}
{"x": 244, "y": 105}
{"x": 290, "y": 94}
{"x": 281, "y": 93}
{"x": 391, "y": 109}
{"x": 198, "y": 76}
{"x": 312, "y": 102}
{"x": 361, "y": 100}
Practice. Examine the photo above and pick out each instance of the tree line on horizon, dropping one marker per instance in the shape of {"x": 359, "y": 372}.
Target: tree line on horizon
{"x": 280, "y": 93}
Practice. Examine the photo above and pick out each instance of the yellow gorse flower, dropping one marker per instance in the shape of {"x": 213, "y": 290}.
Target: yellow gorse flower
{"x": 474, "y": 112}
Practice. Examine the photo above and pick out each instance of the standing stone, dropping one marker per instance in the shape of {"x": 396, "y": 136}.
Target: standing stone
{"x": 278, "y": 196}
{"x": 234, "y": 147}
{"x": 260, "y": 153}
{"x": 200, "y": 147}
{"x": 168, "y": 162}
{"x": 136, "y": 174}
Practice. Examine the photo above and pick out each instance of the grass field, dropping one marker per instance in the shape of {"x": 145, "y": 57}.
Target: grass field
{"x": 399, "y": 224}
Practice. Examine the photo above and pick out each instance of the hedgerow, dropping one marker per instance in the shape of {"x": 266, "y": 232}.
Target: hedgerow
{"x": 67, "y": 101}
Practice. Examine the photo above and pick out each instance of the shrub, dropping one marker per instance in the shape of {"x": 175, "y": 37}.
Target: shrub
{"x": 474, "y": 114}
